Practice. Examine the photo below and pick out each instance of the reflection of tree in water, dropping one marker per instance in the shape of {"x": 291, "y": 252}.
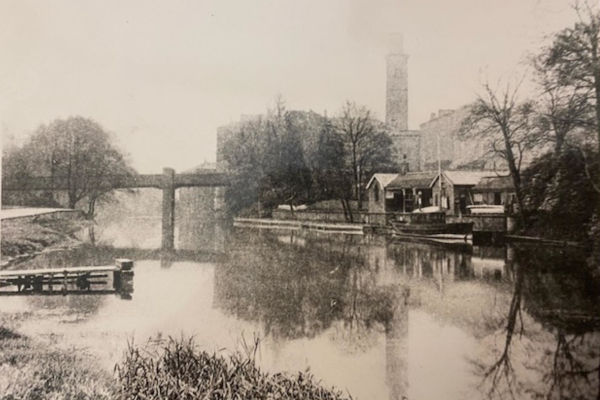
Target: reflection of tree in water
{"x": 293, "y": 292}
{"x": 558, "y": 335}
{"x": 503, "y": 368}
{"x": 299, "y": 291}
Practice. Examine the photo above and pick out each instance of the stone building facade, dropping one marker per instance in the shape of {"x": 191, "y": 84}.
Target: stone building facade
{"x": 407, "y": 149}
{"x": 454, "y": 152}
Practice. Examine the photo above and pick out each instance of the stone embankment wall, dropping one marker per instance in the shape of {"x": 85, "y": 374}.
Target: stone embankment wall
{"x": 318, "y": 215}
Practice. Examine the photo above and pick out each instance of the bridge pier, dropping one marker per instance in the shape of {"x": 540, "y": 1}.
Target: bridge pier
{"x": 168, "y": 209}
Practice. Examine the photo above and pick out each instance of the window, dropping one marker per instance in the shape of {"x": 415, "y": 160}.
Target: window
{"x": 376, "y": 192}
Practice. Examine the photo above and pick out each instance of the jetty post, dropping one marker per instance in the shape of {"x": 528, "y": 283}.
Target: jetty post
{"x": 123, "y": 266}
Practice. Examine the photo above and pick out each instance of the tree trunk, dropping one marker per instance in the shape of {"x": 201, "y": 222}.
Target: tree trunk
{"x": 560, "y": 139}
{"x": 72, "y": 200}
{"x": 348, "y": 209}
{"x": 355, "y": 178}
{"x": 516, "y": 176}
{"x": 346, "y": 216}
{"x": 91, "y": 208}
{"x": 596, "y": 72}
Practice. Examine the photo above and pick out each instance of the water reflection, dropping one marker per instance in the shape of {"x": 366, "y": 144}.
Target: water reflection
{"x": 383, "y": 319}
{"x": 301, "y": 285}
{"x": 554, "y": 319}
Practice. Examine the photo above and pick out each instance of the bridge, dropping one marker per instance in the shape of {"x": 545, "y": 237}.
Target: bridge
{"x": 168, "y": 181}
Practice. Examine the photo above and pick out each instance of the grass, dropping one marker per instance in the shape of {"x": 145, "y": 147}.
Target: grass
{"x": 30, "y": 371}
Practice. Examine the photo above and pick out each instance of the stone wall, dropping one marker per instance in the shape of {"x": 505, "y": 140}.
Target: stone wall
{"x": 318, "y": 215}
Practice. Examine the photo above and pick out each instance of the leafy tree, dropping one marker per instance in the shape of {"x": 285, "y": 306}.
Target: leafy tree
{"x": 288, "y": 176}
{"x": 243, "y": 152}
{"x": 76, "y": 152}
{"x": 561, "y": 112}
{"x": 296, "y": 157}
{"x": 571, "y": 70}
{"x": 556, "y": 186}
{"x": 329, "y": 168}
{"x": 266, "y": 158}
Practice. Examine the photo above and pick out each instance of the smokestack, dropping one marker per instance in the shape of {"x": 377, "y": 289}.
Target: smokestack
{"x": 396, "y": 107}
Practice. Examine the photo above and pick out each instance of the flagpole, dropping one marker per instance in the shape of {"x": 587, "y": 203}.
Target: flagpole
{"x": 439, "y": 168}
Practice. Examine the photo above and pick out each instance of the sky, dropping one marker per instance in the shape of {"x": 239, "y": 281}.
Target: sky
{"x": 161, "y": 76}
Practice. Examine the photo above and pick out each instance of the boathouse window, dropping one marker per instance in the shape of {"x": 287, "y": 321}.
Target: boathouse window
{"x": 376, "y": 191}
{"x": 435, "y": 201}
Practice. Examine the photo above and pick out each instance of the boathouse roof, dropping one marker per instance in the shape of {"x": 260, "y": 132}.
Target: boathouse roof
{"x": 467, "y": 178}
{"x": 383, "y": 179}
{"x": 410, "y": 180}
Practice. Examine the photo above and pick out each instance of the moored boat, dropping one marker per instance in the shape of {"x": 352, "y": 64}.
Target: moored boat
{"x": 431, "y": 225}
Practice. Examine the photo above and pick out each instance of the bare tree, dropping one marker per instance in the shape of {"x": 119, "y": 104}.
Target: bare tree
{"x": 504, "y": 122}
{"x": 367, "y": 145}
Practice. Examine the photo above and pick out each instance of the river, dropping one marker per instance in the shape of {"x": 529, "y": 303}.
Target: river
{"x": 378, "y": 318}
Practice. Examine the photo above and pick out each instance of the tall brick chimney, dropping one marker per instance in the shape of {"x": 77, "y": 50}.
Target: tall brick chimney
{"x": 396, "y": 104}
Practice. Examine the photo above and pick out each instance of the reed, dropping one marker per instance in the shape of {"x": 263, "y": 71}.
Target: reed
{"x": 176, "y": 369}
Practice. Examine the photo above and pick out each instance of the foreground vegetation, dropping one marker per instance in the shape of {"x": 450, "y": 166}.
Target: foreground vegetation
{"x": 172, "y": 369}
{"x": 177, "y": 370}
{"x": 32, "y": 370}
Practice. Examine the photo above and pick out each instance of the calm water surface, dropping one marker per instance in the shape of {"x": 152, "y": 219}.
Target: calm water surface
{"x": 380, "y": 319}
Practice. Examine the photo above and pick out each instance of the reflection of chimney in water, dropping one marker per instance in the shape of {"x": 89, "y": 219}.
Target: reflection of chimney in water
{"x": 396, "y": 347}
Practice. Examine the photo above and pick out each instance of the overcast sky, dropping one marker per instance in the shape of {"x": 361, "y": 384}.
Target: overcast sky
{"x": 162, "y": 76}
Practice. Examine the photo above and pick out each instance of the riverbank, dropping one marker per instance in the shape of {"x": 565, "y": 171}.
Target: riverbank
{"x": 23, "y": 238}
{"x": 36, "y": 369}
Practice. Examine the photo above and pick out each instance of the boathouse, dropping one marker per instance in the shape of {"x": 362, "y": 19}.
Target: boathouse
{"x": 494, "y": 190}
{"x": 412, "y": 190}
{"x": 380, "y": 199}
{"x": 456, "y": 192}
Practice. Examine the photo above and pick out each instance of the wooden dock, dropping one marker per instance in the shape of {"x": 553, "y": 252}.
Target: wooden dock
{"x": 67, "y": 280}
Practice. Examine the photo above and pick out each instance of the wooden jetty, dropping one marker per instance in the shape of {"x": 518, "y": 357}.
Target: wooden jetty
{"x": 67, "y": 280}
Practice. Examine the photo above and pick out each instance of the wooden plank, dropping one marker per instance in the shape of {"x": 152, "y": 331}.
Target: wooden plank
{"x": 61, "y": 271}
